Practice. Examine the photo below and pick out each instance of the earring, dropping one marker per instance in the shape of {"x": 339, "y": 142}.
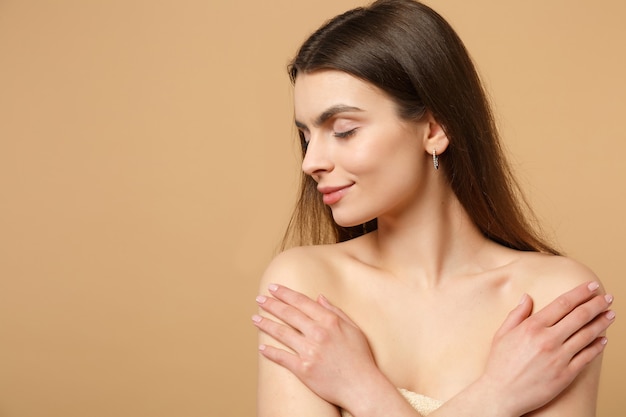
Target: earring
{"x": 435, "y": 159}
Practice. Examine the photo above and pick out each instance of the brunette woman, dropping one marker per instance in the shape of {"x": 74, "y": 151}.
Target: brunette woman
{"x": 410, "y": 221}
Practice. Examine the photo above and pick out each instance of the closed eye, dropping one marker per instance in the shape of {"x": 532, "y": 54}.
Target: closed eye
{"x": 346, "y": 134}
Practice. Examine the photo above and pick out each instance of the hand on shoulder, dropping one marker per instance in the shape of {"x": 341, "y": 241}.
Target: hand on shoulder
{"x": 548, "y": 276}
{"x": 305, "y": 269}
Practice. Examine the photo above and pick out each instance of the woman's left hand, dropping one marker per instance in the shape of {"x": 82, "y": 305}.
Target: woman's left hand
{"x": 330, "y": 354}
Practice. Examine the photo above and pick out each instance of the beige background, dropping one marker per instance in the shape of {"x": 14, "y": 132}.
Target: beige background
{"x": 147, "y": 168}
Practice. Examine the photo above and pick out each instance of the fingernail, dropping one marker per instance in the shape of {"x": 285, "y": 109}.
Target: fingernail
{"x": 261, "y": 348}
{"x": 610, "y": 314}
{"x": 608, "y": 298}
{"x": 523, "y": 299}
{"x": 273, "y": 287}
{"x": 256, "y": 318}
{"x": 593, "y": 286}
{"x": 604, "y": 341}
{"x": 261, "y": 299}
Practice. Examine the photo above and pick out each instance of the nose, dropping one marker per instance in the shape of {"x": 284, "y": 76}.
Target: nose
{"x": 317, "y": 158}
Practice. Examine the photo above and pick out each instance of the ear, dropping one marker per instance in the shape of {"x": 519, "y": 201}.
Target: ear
{"x": 435, "y": 138}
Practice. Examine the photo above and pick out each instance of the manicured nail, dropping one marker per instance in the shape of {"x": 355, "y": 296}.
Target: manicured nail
{"x": 256, "y": 318}
{"x": 273, "y": 287}
{"x": 593, "y": 286}
{"x": 523, "y": 299}
{"x": 604, "y": 341}
{"x": 262, "y": 348}
{"x": 261, "y": 299}
{"x": 608, "y": 298}
{"x": 610, "y": 314}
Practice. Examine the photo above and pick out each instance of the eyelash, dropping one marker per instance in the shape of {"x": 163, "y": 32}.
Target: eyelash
{"x": 346, "y": 134}
{"x": 340, "y": 135}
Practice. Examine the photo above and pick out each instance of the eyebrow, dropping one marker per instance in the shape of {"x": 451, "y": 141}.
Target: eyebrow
{"x": 328, "y": 113}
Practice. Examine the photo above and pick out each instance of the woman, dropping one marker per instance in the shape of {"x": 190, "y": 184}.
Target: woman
{"x": 412, "y": 224}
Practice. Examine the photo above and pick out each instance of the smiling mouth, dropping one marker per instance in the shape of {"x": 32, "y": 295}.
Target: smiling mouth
{"x": 332, "y": 195}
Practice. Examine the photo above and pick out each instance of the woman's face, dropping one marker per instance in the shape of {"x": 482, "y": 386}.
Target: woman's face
{"x": 366, "y": 160}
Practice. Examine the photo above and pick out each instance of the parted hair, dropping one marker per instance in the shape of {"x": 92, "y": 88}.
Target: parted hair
{"x": 410, "y": 52}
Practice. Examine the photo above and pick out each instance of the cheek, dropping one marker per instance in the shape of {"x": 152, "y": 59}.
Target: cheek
{"x": 383, "y": 146}
{"x": 399, "y": 174}
{"x": 360, "y": 160}
{"x": 386, "y": 156}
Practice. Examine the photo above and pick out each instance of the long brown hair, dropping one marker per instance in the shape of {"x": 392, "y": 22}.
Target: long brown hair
{"x": 409, "y": 51}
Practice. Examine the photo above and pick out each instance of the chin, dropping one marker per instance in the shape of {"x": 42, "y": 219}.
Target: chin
{"x": 351, "y": 221}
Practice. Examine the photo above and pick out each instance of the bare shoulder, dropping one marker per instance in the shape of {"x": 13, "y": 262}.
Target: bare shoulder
{"x": 306, "y": 269}
{"x": 545, "y": 277}
{"x": 309, "y": 270}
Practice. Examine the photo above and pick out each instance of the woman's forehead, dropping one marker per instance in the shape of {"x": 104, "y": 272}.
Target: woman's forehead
{"x": 332, "y": 79}
{"x": 316, "y": 91}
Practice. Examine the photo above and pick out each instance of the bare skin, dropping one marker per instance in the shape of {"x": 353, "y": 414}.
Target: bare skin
{"x": 527, "y": 362}
{"x": 425, "y": 294}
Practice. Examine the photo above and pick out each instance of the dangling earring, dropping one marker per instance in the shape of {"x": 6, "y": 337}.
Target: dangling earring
{"x": 435, "y": 159}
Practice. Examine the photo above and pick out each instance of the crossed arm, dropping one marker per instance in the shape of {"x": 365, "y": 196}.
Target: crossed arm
{"x": 533, "y": 358}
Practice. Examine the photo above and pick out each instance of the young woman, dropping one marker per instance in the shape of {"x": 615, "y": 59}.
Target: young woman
{"x": 411, "y": 222}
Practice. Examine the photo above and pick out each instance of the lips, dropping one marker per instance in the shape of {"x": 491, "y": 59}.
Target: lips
{"x": 331, "y": 195}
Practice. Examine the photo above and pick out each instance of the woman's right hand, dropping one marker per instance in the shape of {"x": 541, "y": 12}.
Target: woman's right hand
{"x": 533, "y": 358}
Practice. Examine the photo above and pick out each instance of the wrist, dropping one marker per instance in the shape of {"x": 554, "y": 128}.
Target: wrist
{"x": 377, "y": 396}
{"x": 492, "y": 398}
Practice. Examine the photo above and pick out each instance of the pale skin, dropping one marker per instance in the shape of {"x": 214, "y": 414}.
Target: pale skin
{"x": 424, "y": 298}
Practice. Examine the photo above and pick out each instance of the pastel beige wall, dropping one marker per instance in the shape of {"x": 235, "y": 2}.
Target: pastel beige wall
{"x": 147, "y": 170}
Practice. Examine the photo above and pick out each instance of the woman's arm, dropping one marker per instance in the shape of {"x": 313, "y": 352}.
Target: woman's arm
{"x": 539, "y": 363}
{"x": 279, "y": 392}
{"x": 533, "y": 359}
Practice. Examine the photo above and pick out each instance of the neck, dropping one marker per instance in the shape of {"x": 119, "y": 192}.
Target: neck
{"x": 430, "y": 242}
